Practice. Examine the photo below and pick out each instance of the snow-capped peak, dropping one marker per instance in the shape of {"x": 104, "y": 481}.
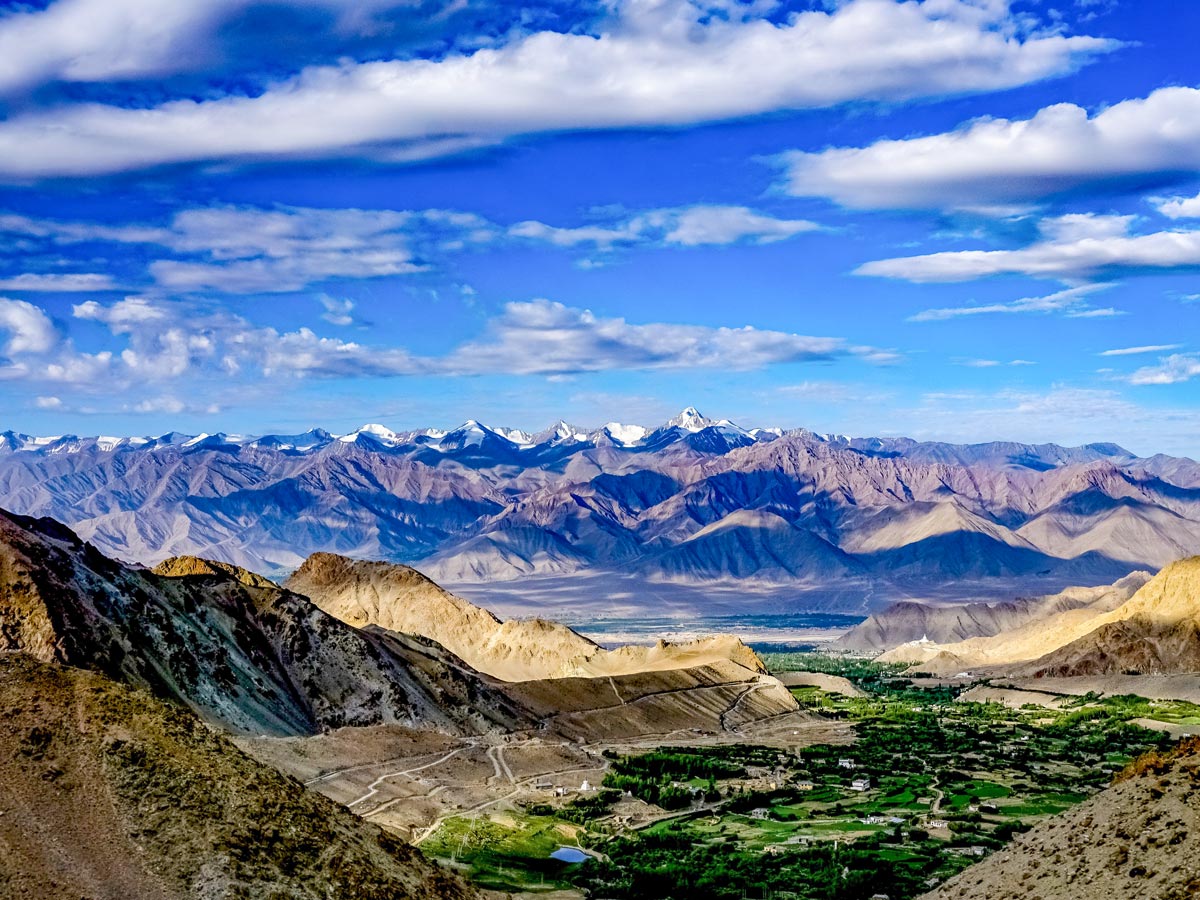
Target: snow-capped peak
{"x": 626, "y": 435}
{"x": 691, "y": 420}
{"x": 381, "y": 433}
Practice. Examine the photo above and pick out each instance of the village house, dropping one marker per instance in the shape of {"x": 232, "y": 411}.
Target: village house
{"x": 860, "y": 784}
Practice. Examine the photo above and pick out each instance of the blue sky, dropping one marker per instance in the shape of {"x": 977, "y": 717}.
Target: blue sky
{"x": 953, "y": 219}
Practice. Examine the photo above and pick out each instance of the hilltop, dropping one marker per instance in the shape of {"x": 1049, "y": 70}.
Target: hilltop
{"x": 401, "y": 599}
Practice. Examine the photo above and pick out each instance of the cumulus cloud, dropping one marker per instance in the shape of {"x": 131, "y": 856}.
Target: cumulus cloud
{"x": 110, "y": 40}
{"x": 652, "y": 63}
{"x": 1070, "y": 302}
{"x": 1180, "y": 207}
{"x": 155, "y": 343}
{"x": 29, "y": 329}
{"x": 689, "y": 226}
{"x": 1076, "y": 246}
{"x": 1000, "y": 162}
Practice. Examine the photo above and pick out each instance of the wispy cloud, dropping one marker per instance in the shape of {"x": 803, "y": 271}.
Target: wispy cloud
{"x": 1070, "y": 302}
{"x": 1073, "y": 247}
{"x": 1174, "y": 369}
{"x": 1135, "y": 351}
{"x": 58, "y": 282}
{"x": 690, "y": 226}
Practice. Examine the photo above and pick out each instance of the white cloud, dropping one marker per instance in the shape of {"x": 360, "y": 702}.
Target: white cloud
{"x": 338, "y": 310}
{"x": 700, "y": 225}
{"x": 688, "y": 226}
{"x": 1070, "y": 302}
{"x": 1174, "y": 369}
{"x": 48, "y": 402}
{"x": 1084, "y": 246}
{"x": 63, "y": 282}
{"x": 156, "y": 344}
{"x": 1000, "y": 162}
{"x": 254, "y": 250}
{"x": 992, "y": 363}
{"x": 655, "y": 62}
{"x": 1180, "y": 207}
{"x": 122, "y": 316}
{"x": 29, "y": 329}
{"x": 542, "y": 337}
{"x": 1135, "y": 351}
{"x": 107, "y": 40}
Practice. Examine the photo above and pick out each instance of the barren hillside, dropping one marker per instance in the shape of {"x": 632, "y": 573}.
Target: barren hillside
{"x": 1138, "y": 840}
{"x": 110, "y": 794}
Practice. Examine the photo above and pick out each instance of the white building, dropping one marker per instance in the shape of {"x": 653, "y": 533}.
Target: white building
{"x": 860, "y": 784}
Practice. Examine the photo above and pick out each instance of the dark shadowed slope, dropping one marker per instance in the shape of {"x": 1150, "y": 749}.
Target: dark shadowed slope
{"x": 251, "y": 657}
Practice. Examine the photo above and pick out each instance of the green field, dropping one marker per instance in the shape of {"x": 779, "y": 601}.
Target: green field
{"x": 944, "y": 775}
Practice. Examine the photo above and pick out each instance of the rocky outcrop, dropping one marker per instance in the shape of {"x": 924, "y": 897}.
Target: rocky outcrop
{"x": 251, "y": 657}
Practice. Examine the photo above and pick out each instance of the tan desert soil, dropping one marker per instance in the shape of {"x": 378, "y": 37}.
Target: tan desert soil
{"x": 110, "y": 794}
{"x": 400, "y": 599}
{"x": 1138, "y": 840}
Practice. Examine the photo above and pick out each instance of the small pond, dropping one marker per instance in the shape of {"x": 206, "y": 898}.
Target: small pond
{"x": 569, "y": 855}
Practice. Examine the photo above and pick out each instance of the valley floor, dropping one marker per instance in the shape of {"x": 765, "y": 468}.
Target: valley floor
{"x": 947, "y": 773}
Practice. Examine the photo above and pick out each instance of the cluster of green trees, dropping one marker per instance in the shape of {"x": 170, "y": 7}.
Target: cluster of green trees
{"x": 678, "y": 764}
{"x": 677, "y": 863}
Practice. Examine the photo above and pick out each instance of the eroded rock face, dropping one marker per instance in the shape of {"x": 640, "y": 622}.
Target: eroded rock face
{"x": 238, "y": 650}
{"x": 401, "y": 599}
{"x": 112, "y": 794}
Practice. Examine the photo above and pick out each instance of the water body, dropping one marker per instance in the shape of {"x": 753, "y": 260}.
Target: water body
{"x": 569, "y": 855}
{"x": 791, "y": 631}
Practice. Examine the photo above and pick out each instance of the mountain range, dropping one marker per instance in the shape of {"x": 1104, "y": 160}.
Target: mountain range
{"x": 691, "y": 502}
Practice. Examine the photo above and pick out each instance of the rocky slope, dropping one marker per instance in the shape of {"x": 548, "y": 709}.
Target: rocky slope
{"x": 1138, "y": 840}
{"x": 693, "y": 501}
{"x": 401, "y": 599}
{"x": 1154, "y": 630}
{"x": 110, "y": 794}
{"x": 245, "y": 654}
{"x": 935, "y": 628}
